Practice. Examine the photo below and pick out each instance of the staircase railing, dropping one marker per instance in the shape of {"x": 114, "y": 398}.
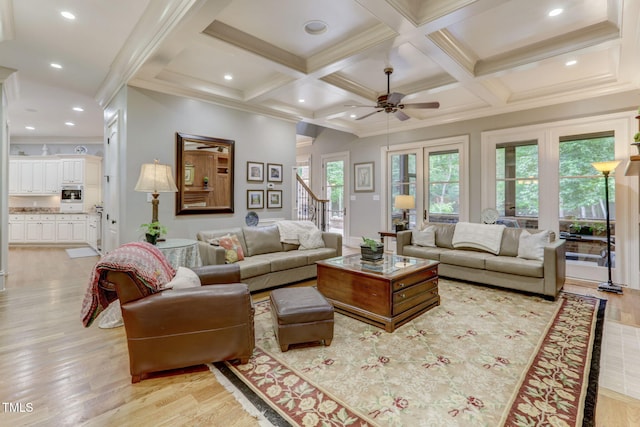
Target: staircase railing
{"x": 309, "y": 206}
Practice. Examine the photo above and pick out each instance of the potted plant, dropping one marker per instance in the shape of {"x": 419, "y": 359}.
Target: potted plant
{"x": 205, "y": 180}
{"x": 371, "y": 250}
{"x": 152, "y": 231}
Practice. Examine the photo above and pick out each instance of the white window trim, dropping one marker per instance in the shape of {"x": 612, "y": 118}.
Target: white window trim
{"x": 548, "y": 137}
{"x": 459, "y": 142}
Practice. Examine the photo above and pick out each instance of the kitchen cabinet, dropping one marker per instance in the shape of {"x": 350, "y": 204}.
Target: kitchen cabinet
{"x": 51, "y": 176}
{"x": 30, "y": 177}
{"x": 34, "y": 177}
{"x": 92, "y": 231}
{"x": 71, "y": 228}
{"x": 16, "y": 228}
{"x": 40, "y": 228}
{"x": 72, "y": 171}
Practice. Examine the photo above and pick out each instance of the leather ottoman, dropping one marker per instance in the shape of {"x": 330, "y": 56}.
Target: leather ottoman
{"x": 301, "y": 315}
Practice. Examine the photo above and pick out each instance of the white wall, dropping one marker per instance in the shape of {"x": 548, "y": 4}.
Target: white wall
{"x": 152, "y": 120}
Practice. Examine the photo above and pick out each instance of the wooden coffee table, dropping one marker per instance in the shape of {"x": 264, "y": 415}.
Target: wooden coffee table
{"x": 386, "y": 295}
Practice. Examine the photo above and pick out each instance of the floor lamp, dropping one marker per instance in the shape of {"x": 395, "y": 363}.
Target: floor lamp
{"x": 155, "y": 178}
{"x": 606, "y": 168}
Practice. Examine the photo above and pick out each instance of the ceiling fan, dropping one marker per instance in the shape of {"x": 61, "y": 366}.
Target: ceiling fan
{"x": 390, "y": 102}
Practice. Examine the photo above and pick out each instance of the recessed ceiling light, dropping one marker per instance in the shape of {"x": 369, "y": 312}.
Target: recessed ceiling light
{"x": 228, "y": 77}
{"x": 56, "y": 65}
{"x": 353, "y": 116}
{"x": 69, "y": 123}
{"x": 571, "y": 62}
{"x": 68, "y": 15}
{"x": 79, "y": 109}
{"x": 301, "y": 100}
{"x": 315, "y": 27}
{"x": 29, "y": 127}
{"x": 556, "y": 12}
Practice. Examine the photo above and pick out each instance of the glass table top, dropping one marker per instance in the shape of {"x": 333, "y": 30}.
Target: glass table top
{"x": 389, "y": 264}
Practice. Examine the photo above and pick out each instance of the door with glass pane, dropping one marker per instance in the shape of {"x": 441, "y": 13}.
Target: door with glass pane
{"x": 582, "y": 204}
{"x": 334, "y": 185}
{"x": 403, "y": 190}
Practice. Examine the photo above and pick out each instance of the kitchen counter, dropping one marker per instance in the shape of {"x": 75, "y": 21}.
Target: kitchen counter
{"x": 38, "y": 210}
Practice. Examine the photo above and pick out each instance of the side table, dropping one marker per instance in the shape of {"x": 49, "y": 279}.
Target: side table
{"x": 384, "y": 234}
{"x": 181, "y": 252}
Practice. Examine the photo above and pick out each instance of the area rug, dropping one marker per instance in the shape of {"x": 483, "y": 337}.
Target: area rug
{"x": 484, "y": 357}
{"x": 81, "y": 252}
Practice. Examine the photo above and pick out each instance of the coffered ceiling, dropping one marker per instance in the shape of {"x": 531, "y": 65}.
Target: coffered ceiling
{"x": 474, "y": 57}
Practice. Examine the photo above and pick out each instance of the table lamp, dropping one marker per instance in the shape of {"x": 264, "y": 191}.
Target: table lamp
{"x": 155, "y": 178}
{"x": 404, "y": 202}
{"x": 606, "y": 168}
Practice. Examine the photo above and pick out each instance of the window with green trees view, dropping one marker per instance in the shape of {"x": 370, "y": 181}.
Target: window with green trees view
{"x": 517, "y": 179}
{"x": 444, "y": 185}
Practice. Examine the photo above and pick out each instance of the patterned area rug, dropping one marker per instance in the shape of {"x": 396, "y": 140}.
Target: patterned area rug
{"x": 483, "y": 357}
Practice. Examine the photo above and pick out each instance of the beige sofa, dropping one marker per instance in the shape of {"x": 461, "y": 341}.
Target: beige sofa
{"x": 504, "y": 268}
{"x": 269, "y": 262}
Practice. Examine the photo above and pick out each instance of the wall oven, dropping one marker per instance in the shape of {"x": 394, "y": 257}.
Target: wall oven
{"x": 71, "y": 198}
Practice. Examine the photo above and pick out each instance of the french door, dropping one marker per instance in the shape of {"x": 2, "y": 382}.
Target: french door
{"x": 335, "y": 182}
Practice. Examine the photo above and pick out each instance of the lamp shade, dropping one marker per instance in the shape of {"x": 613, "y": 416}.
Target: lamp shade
{"x": 606, "y": 166}
{"x": 404, "y": 201}
{"x": 156, "y": 178}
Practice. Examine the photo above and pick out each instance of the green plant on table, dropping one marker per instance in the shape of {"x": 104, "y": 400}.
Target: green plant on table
{"x": 154, "y": 228}
{"x": 373, "y": 244}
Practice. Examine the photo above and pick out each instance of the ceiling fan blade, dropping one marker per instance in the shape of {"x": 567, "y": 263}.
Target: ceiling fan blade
{"x": 394, "y": 97}
{"x": 401, "y": 116}
{"x": 367, "y": 115}
{"x": 421, "y": 105}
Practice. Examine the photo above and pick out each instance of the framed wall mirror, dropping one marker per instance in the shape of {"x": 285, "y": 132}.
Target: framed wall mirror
{"x": 204, "y": 175}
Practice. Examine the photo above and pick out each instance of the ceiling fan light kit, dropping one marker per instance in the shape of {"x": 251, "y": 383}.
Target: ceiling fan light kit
{"x": 390, "y": 102}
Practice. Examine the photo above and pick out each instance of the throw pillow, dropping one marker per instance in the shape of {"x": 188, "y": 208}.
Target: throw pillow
{"x": 531, "y": 246}
{"x": 232, "y": 248}
{"x": 426, "y": 237}
{"x": 184, "y": 278}
{"x": 311, "y": 240}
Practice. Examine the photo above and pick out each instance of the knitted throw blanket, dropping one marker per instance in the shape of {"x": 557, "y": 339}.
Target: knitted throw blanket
{"x": 144, "y": 262}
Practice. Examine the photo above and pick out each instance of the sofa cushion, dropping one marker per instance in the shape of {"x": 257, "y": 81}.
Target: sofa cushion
{"x": 424, "y": 237}
{"x": 444, "y": 234}
{"x": 254, "y": 266}
{"x": 510, "y": 238}
{"x": 465, "y": 258}
{"x": 207, "y": 235}
{"x": 285, "y": 260}
{"x": 319, "y": 254}
{"x": 311, "y": 240}
{"x": 262, "y": 240}
{"x": 423, "y": 252}
{"x": 485, "y": 237}
{"x": 232, "y": 248}
{"x": 514, "y": 265}
{"x": 531, "y": 246}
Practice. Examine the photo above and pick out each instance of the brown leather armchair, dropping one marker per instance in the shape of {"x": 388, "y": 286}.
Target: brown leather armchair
{"x": 176, "y": 328}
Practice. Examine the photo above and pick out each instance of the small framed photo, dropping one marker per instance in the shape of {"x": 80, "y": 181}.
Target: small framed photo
{"x": 255, "y": 199}
{"x": 274, "y": 199}
{"x": 274, "y": 172}
{"x": 363, "y": 177}
{"x": 189, "y": 173}
{"x": 255, "y": 171}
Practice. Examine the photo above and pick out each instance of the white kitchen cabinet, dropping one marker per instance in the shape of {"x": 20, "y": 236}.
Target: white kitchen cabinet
{"x": 16, "y": 228}
{"x": 30, "y": 177}
{"x": 92, "y": 231}
{"x": 14, "y": 177}
{"x": 40, "y": 228}
{"x": 71, "y": 228}
{"x": 51, "y": 176}
{"x": 72, "y": 171}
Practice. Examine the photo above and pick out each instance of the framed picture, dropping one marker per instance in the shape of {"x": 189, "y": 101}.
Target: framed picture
{"x": 274, "y": 172}
{"x": 189, "y": 173}
{"x": 255, "y": 199}
{"x": 255, "y": 171}
{"x": 274, "y": 199}
{"x": 363, "y": 177}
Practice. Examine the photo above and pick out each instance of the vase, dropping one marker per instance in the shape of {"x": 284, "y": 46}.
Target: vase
{"x": 151, "y": 238}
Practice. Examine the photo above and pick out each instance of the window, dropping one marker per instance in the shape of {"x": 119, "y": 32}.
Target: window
{"x": 517, "y": 188}
{"x": 444, "y": 186}
{"x": 403, "y": 181}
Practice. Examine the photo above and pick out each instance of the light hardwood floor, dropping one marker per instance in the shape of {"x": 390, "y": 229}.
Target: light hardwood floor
{"x": 60, "y": 373}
